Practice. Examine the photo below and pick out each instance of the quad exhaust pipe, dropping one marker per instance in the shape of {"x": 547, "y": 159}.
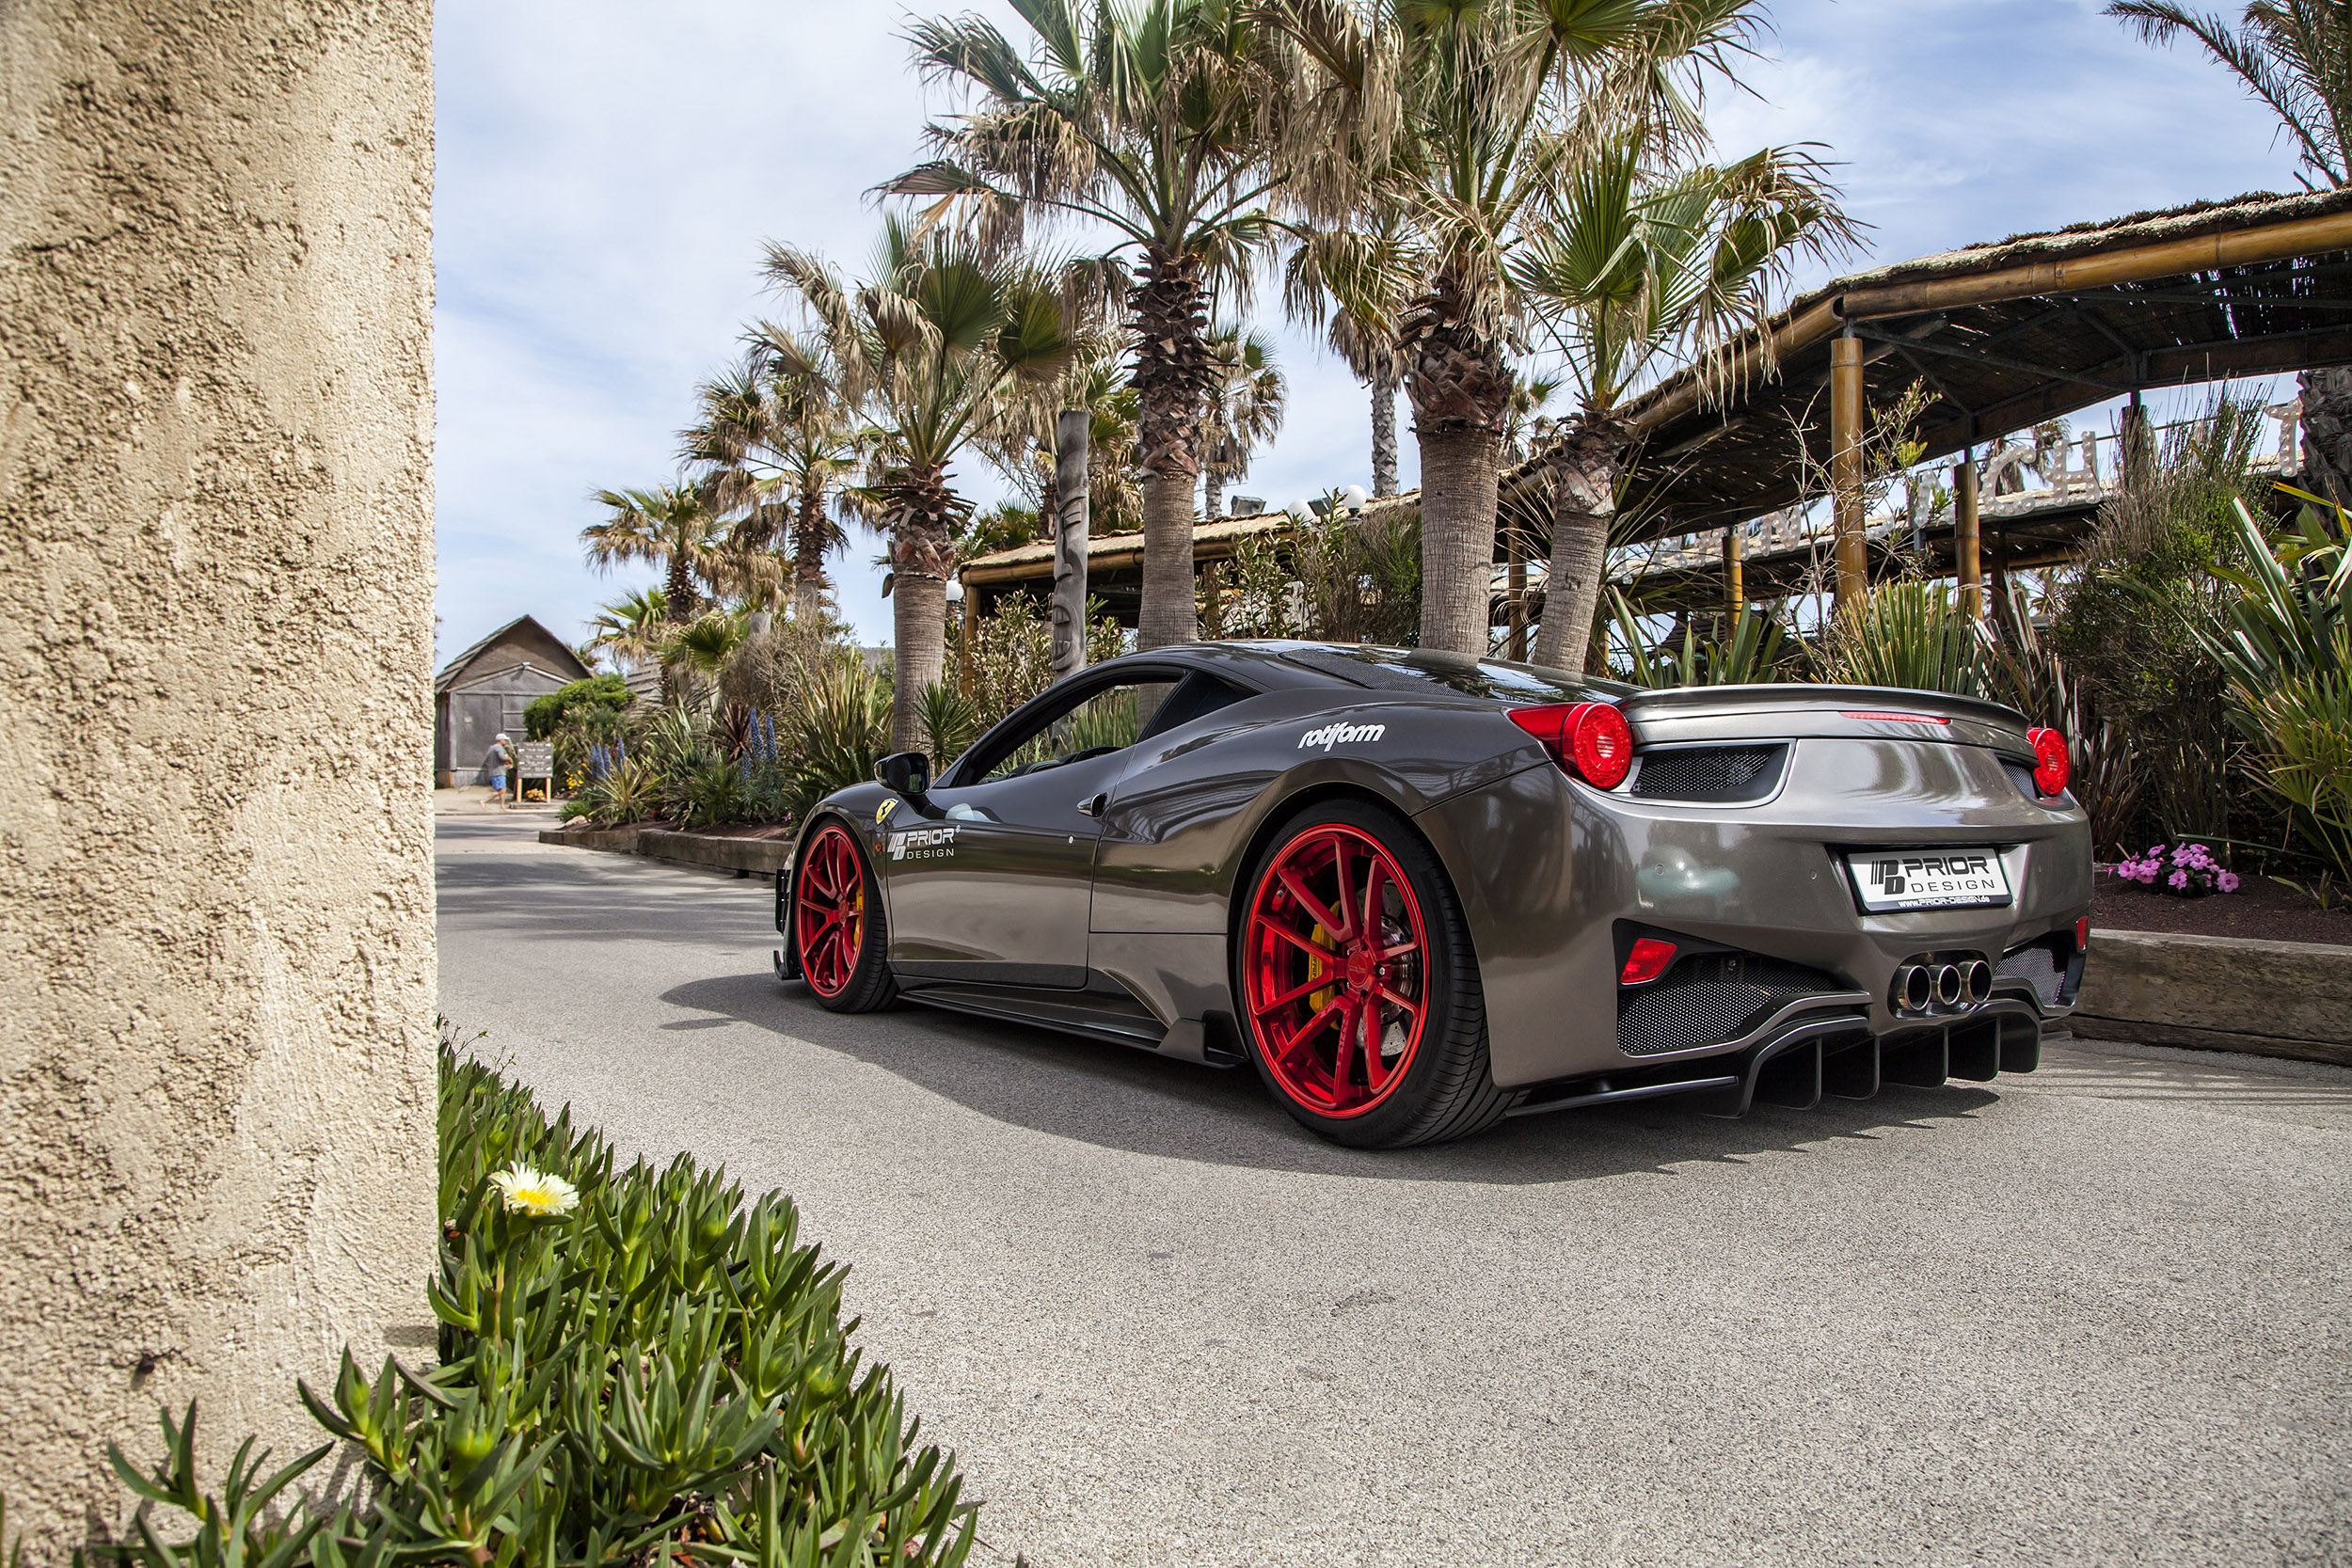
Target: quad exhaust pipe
{"x": 1926, "y": 986}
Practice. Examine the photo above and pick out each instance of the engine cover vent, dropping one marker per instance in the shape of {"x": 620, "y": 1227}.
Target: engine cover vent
{"x": 1719, "y": 774}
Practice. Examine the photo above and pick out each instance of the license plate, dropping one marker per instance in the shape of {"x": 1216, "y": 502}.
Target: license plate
{"x": 1927, "y": 879}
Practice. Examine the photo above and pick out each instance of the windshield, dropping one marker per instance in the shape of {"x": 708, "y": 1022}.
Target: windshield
{"x": 1421, "y": 669}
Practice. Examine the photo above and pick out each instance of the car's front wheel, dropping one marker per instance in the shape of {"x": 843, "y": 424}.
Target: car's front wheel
{"x": 1359, "y": 988}
{"x": 838, "y": 932}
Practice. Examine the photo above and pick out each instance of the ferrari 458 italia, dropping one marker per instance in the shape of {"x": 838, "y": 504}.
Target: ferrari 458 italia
{"x": 1420, "y": 892}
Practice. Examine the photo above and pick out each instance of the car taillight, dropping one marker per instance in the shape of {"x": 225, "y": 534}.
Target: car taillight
{"x": 2082, "y": 935}
{"x": 2051, "y": 766}
{"x": 1591, "y": 739}
{"x": 1648, "y": 960}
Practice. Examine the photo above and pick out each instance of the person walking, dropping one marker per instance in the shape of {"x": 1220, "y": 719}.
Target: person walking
{"x": 500, "y": 760}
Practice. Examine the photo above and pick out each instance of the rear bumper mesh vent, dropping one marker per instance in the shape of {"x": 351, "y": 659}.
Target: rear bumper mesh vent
{"x": 1708, "y": 998}
{"x": 2040, "y": 965}
{"x": 1723, "y": 773}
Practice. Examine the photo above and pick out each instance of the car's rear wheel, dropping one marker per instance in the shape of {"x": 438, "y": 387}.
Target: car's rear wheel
{"x": 1359, "y": 988}
{"x": 839, "y": 935}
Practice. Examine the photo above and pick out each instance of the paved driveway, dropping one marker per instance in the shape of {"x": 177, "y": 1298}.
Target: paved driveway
{"x": 2097, "y": 1315}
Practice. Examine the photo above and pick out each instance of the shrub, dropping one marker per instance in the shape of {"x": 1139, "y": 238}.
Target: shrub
{"x": 636, "y": 1367}
{"x": 1010, "y": 657}
{"x": 713, "y": 794}
{"x": 608, "y": 692}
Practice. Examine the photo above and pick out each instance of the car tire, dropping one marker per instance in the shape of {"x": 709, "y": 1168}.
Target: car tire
{"x": 839, "y": 934}
{"x": 1392, "y": 1051}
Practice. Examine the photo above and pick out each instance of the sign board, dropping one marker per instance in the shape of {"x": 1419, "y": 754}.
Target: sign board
{"x": 535, "y": 759}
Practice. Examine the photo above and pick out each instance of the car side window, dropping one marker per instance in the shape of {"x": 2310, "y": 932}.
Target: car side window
{"x": 1107, "y": 721}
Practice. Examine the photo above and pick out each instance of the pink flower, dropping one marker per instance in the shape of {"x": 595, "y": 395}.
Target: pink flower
{"x": 2180, "y": 878}
{"x": 2229, "y": 881}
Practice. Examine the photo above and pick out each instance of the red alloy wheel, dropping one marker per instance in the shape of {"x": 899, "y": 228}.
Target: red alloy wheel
{"x": 1334, "y": 965}
{"x": 829, "y": 911}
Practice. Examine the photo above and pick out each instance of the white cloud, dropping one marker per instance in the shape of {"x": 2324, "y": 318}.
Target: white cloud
{"x": 609, "y": 172}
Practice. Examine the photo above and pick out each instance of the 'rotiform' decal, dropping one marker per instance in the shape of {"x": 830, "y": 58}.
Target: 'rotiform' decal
{"x": 923, "y": 843}
{"x": 1341, "y": 735}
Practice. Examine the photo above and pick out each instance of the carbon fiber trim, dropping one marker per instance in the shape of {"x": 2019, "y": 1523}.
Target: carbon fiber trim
{"x": 1711, "y": 998}
{"x": 2039, "y": 965}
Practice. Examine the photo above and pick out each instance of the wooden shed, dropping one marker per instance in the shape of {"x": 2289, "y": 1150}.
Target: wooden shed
{"x": 484, "y": 690}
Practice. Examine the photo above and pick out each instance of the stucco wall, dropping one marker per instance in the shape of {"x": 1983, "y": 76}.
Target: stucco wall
{"x": 216, "y": 970}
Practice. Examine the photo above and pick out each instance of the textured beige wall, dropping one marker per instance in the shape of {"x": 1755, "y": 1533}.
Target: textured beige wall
{"x": 216, "y": 970}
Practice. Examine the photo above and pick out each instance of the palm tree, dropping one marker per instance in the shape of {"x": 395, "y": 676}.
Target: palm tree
{"x": 1022, "y": 449}
{"x": 1362, "y": 307}
{"x": 1155, "y": 120}
{"x": 669, "y": 526}
{"x": 778, "y": 443}
{"x": 1244, "y": 410}
{"x": 631, "y": 629}
{"x": 1640, "y": 262}
{"x": 938, "y": 345}
{"x": 2296, "y": 56}
{"x": 1465, "y": 116}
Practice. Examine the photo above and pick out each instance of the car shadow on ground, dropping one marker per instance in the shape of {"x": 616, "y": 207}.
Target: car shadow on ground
{"x": 1120, "y": 1098}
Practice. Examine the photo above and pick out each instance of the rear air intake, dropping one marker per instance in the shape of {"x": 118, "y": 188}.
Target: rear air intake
{"x": 1708, "y": 998}
{"x": 1709, "y": 773}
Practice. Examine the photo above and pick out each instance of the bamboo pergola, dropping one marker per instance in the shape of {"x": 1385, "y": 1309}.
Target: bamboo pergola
{"x": 2003, "y": 337}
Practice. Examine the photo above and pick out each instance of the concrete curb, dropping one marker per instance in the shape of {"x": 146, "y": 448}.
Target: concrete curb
{"x": 2291, "y": 999}
{"x": 763, "y": 856}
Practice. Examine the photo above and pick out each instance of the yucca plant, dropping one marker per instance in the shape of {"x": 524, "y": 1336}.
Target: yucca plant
{"x": 1756, "y": 651}
{"x": 714, "y": 794}
{"x": 951, "y": 720}
{"x": 1907, "y": 634}
{"x": 841, "y": 733}
{"x": 2306, "y": 724}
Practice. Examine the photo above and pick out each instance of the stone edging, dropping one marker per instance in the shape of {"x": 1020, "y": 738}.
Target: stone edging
{"x": 763, "y": 856}
{"x": 2288, "y": 999}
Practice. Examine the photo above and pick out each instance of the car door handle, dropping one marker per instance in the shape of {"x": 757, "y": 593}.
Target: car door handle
{"x": 1093, "y": 804}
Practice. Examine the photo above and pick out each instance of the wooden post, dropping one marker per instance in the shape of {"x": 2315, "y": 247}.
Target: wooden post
{"x": 1072, "y": 431}
{"x": 1967, "y": 536}
{"x": 2135, "y": 460}
{"x": 966, "y": 637}
{"x": 1735, "y": 572}
{"x": 2000, "y": 568}
{"x": 1517, "y": 607}
{"x": 1845, "y": 467}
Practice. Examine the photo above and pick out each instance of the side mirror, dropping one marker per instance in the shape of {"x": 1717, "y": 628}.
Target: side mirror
{"x": 908, "y": 772}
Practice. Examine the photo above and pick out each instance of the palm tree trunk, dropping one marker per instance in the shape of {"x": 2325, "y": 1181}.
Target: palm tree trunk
{"x": 921, "y": 554}
{"x": 677, "y": 608}
{"x": 1172, "y": 379}
{"x": 1384, "y": 435}
{"x": 1457, "y": 538}
{"x": 1213, "y": 493}
{"x": 919, "y": 619}
{"x": 808, "y": 559}
{"x": 1584, "y": 501}
{"x": 1460, "y": 390}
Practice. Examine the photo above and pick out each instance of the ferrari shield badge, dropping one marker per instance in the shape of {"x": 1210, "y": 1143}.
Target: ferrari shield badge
{"x": 882, "y": 813}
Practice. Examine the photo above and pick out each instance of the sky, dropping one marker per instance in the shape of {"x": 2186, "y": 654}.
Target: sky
{"x": 610, "y": 172}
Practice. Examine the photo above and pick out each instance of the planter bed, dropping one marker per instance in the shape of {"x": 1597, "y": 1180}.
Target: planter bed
{"x": 2260, "y": 908}
{"x": 759, "y": 847}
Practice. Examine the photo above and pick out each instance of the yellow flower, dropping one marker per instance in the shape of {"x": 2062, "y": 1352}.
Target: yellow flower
{"x": 536, "y": 1192}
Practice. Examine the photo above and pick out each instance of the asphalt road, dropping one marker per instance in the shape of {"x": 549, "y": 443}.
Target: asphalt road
{"x": 2095, "y": 1315}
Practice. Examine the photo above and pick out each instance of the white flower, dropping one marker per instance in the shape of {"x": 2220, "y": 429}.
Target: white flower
{"x": 536, "y": 1192}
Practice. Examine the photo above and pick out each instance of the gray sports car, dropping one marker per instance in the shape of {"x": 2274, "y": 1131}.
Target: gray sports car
{"x": 1422, "y": 892}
